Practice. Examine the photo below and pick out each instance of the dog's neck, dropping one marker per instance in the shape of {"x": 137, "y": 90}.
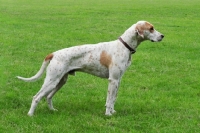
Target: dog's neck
{"x": 131, "y": 37}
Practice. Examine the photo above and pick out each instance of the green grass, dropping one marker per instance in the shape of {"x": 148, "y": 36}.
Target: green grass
{"x": 160, "y": 92}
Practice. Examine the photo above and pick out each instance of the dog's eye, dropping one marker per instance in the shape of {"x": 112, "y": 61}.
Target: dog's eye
{"x": 151, "y": 29}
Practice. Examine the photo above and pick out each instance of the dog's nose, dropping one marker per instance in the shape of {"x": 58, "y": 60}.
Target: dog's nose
{"x": 162, "y": 36}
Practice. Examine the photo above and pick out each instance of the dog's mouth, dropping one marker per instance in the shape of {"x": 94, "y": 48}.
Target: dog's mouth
{"x": 157, "y": 40}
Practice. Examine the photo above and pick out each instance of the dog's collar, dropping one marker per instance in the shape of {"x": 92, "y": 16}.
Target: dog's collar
{"x": 127, "y": 46}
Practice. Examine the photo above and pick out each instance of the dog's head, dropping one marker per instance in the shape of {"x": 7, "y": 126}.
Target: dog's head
{"x": 146, "y": 31}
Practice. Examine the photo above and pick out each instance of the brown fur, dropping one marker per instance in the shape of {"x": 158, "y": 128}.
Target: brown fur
{"x": 49, "y": 57}
{"x": 141, "y": 28}
{"x": 105, "y": 59}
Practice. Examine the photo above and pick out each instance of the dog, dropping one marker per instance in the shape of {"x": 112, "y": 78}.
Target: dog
{"x": 106, "y": 60}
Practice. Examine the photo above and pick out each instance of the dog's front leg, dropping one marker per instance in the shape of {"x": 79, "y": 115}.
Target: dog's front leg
{"x": 111, "y": 96}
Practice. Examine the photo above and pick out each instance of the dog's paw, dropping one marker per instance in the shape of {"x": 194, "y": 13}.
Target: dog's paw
{"x": 30, "y": 114}
{"x": 108, "y": 114}
{"x": 113, "y": 111}
{"x": 53, "y": 109}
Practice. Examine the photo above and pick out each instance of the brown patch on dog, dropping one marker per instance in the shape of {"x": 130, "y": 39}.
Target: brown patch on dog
{"x": 105, "y": 59}
{"x": 48, "y": 57}
{"x": 146, "y": 26}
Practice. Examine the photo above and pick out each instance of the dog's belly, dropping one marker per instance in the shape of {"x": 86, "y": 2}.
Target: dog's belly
{"x": 103, "y": 73}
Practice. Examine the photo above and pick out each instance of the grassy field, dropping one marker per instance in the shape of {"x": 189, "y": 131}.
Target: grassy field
{"x": 160, "y": 92}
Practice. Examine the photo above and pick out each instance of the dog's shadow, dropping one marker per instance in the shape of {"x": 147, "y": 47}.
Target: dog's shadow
{"x": 93, "y": 108}
{"x": 65, "y": 107}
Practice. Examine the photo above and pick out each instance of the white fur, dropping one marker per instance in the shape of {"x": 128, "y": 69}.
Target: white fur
{"x": 106, "y": 60}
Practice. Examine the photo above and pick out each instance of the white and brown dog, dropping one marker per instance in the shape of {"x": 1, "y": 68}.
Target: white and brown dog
{"x": 106, "y": 60}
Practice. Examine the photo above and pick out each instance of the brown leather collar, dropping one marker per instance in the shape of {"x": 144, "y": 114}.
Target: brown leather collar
{"x": 127, "y": 46}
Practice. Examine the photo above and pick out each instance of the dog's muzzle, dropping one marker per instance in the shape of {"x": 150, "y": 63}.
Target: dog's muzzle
{"x": 159, "y": 39}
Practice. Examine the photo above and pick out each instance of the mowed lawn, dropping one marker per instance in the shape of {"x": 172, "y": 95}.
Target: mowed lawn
{"x": 160, "y": 91}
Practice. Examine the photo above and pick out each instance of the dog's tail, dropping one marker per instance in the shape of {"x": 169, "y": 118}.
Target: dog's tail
{"x": 40, "y": 72}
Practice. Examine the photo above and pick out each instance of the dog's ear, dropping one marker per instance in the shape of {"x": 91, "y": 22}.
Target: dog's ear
{"x": 139, "y": 31}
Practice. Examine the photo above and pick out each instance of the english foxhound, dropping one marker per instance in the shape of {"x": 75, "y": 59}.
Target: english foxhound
{"x": 106, "y": 60}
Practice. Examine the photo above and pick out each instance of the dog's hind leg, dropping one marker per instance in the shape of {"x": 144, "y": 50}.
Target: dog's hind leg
{"x": 52, "y": 93}
{"x": 47, "y": 87}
